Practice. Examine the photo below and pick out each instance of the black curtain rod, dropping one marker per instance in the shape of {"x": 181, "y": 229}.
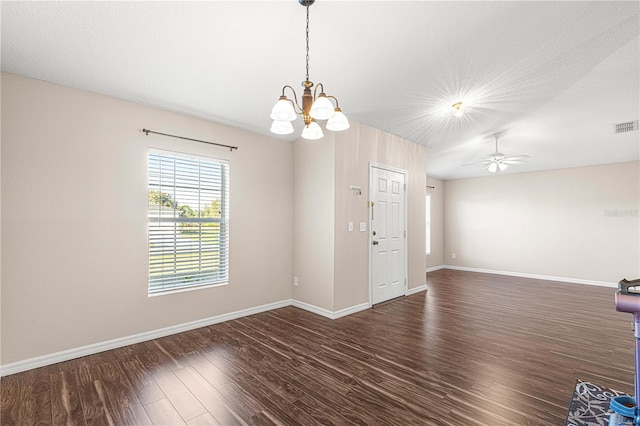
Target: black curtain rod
{"x": 431, "y": 187}
{"x": 147, "y": 131}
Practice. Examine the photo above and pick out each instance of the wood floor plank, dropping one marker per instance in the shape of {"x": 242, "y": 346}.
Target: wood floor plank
{"x": 251, "y": 361}
{"x": 263, "y": 418}
{"x": 475, "y": 349}
{"x": 123, "y": 403}
{"x": 288, "y": 382}
{"x": 10, "y": 398}
{"x": 94, "y": 404}
{"x": 209, "y": 397}
{"x": 141, "y": 377}
{"x": 161, "y": 412}
{"x": 274, "y": 401}
{"x": 66, "y": 407}
{"x": 184, "y": 401}
{"x": 332, "y": 393}
{"x": 34, "y": 402}
{"x": 204, "y": 419}
{"x": 233, "y": 396}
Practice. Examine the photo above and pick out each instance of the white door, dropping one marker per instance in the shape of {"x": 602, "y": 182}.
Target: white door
{"x": 387, "y": 233}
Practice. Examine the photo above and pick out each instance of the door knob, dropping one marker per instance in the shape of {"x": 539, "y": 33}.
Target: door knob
{"x": 375, "y": 242}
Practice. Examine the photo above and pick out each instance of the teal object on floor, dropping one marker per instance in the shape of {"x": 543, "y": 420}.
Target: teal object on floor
{"x": 623, "y": 405}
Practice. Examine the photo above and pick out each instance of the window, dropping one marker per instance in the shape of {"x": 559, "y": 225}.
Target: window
{"x": 188, "y": 221}
{"x": 428, "y": 227}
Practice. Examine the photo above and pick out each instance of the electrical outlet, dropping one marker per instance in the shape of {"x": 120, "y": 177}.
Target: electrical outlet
{"x": 295, "y": 281}
{"x": 453, "y": 255}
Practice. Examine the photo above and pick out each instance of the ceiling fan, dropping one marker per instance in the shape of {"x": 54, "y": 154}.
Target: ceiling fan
{"x": 498, "y": 161}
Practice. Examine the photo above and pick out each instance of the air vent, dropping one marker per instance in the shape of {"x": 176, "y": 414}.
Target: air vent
{"x": 629, "y": 126}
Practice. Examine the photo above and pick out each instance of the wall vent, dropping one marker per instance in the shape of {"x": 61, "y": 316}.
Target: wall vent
{"x": 628, "y": 126}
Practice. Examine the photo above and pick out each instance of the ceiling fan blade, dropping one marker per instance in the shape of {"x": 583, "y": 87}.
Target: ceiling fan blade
{"x": 479, "y": 162}
{"x": 516, "y": 159}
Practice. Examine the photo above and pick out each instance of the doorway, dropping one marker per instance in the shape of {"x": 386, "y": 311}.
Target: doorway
{"x": 388, "y": 235}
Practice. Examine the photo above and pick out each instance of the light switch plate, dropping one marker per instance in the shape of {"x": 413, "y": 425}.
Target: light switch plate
{"x": 363, "y": 227}
{"x": 350, "y": 226}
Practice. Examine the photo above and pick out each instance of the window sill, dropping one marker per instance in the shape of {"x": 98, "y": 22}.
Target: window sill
{"x": 184, "y": 289}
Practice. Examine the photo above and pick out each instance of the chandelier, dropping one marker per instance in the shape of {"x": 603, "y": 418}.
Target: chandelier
{"x": 314, "y": 107}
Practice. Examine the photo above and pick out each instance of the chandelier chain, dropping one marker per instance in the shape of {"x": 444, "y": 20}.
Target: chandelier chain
{"x": 307, "y": 43}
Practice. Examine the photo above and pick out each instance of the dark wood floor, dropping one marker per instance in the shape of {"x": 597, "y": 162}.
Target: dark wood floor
{"x": 476, "y": 349}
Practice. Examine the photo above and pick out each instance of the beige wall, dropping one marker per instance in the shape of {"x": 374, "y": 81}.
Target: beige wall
{"x": 74, "y": 242}
{"x": 313, "y": 243}
{"x": 579, "y": 223}
{"x": 332, "y": 264}
{"x": 354, "y": 150}
{"x": 436, "y": 257}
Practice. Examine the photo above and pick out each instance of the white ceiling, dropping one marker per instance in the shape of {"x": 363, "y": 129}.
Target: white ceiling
{"x": 552, "y": 76}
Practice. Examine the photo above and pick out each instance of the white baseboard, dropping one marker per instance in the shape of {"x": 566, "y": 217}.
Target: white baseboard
{"x": 416, "y": 290}
{"x": 330, "y": 314}
{"x": 350, "y": 310}
{"x": 69, "y": 354}
{"x": 312, "y": 308}
{"x": 41, "y": 361}
{"x": 534, "y": 276}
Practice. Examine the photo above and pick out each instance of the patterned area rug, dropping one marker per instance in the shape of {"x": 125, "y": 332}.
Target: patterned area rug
{"x": 590, "y": 405}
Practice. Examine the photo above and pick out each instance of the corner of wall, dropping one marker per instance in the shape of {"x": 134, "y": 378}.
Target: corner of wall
{"x": 313, "y": 221}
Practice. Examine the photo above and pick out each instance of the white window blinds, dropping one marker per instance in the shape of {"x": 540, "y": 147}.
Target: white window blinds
{"x": 188, "y": 221}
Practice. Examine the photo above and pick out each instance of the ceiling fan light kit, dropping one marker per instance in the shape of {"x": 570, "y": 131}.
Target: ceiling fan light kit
{"x": 314, "y": 106}
{"x": 495, "y": 166}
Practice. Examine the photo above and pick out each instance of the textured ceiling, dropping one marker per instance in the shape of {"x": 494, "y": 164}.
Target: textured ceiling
{"x": 553, "y": 77}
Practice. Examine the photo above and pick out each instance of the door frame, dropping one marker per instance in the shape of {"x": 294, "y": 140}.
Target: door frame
{"x": 373, "y": 165}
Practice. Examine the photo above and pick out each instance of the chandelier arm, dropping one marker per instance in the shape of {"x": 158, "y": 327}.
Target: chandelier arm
{"x": 316, "y": 90}
{"x": 295, "y": 96}
{"x": 335, "y": 99}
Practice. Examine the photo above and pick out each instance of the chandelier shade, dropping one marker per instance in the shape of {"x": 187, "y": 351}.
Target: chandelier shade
{"x": 283, "y": 110}
{"x": 322, "y": 108}
{"x": 338, "y": 122}
{"x": 282, "y": 127}
{"x": 312, "y": 131}
{"x": 314, "y": 106}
